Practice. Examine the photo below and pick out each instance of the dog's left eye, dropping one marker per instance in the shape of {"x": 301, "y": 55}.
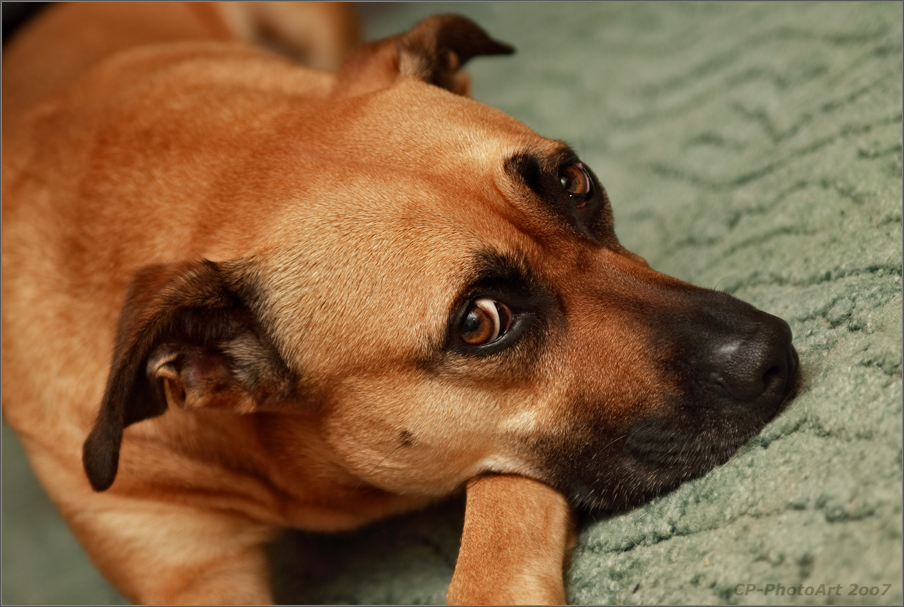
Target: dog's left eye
{"x": 575, "y": 180}
{"x": 485, "y": 321}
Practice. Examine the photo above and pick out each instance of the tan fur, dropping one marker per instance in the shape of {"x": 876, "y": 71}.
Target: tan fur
{"x": 212, "y": 501}
{"x": 340, "y": 217}
{"x": 517, "y": 533}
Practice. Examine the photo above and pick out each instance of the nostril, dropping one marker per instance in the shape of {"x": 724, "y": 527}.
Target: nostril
{"x": 751, "y": 383}
{"x": 773, "y": 374}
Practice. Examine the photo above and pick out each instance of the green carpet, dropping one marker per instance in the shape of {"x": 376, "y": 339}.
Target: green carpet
{"x": 751, "y": 147}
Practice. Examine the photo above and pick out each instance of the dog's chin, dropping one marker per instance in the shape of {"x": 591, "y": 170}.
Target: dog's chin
{"x": 614, "y": 471}
{"x": 653, "y": 459}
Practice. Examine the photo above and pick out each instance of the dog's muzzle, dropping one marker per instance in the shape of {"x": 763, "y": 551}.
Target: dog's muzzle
{"x": 726, "y": 369}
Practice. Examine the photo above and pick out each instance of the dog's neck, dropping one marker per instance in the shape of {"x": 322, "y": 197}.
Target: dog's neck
{"x": 277, "y": 467}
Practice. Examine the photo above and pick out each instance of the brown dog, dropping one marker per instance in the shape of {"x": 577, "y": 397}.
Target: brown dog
{"x": 329, "y": 299}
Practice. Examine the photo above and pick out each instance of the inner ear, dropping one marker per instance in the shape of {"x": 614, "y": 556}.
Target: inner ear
{"x": 192, "y": 377}
{"x": 188, "y": 336}
{"x": 433, "y": 51}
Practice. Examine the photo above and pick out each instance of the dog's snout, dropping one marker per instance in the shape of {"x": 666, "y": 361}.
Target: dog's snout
{"x": 758, "y": 366}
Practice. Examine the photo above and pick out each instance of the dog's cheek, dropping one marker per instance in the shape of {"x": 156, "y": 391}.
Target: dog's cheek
{"x": 599, "y": 380}
{"x": 404, "y": 434}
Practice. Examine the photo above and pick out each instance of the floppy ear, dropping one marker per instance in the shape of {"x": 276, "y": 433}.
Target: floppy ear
{"x": 433, "y": 51}
{"x": 187, "y": 337}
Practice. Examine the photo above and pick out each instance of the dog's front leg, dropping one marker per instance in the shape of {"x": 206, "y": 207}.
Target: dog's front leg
{"x": 516, "y": 538}
{"x": 171, "y": 554}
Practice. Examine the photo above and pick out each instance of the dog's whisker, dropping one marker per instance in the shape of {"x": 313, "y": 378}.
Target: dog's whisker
{"x": 610, "y": 443}
{"x": 716, "y": 287}
{"x": 377, "y": 465}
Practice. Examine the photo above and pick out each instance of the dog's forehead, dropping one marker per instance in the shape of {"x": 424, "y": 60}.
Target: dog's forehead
{"x": 462, "y": 151}
{"x": 440, "y": 132}
{"x": 379, "y": 268}
{"x": 417, "y": 125}
{"x": 419, "y": 191}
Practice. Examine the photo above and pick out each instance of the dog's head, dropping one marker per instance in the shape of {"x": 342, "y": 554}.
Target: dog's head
{"x": 442, "y": 290}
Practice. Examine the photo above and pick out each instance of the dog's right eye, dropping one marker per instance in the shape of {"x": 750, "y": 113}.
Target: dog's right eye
{"x": 485, "y": 321}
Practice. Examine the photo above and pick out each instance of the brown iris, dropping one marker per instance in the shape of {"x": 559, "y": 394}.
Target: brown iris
{"x": 576, "y": 180}
{"x": 484, "y": 322}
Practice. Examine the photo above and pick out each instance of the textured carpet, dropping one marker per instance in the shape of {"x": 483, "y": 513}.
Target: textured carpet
{"x": 756, "y": 148}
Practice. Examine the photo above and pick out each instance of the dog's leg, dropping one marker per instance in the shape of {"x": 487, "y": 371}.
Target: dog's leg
{"x": 167, "y": 554}
{"x": 163, "y": 552}
{"x": 516, "y": 538}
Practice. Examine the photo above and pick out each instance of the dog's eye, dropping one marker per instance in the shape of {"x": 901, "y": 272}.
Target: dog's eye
{"x": 485, "y": 321}
{"x": 576, "y": 180}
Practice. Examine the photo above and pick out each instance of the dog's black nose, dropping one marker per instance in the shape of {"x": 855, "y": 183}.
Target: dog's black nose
{"x": 760, "y": 364}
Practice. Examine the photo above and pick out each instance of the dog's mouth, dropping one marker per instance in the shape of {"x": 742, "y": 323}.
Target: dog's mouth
{"x": 616, "y": 470}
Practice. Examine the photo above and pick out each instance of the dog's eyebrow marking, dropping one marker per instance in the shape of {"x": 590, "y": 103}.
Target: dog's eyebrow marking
{"x": 512, "y": 269}
{"x": 539, "y": 172}
{"x": 528, "y": 166}
{"x": 510, "y": 273}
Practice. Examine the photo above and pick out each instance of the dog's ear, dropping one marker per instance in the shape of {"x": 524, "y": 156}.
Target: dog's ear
{"x": 187, "y": 337}
{"x": 432, "y": 51}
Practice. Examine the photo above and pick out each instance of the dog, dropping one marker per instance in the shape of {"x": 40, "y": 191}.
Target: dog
{"x": 241, "y": 294}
